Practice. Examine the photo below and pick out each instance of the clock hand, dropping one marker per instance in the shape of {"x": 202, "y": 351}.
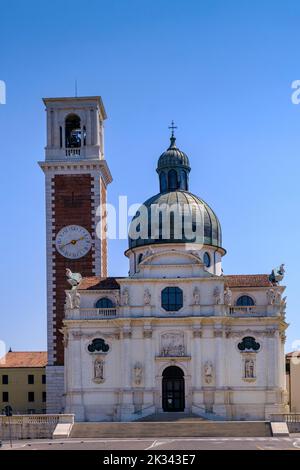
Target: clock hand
{"x": 72, "y": 242}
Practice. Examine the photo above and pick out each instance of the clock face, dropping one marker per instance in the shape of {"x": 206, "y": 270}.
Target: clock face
{"x": 73, "y": 241}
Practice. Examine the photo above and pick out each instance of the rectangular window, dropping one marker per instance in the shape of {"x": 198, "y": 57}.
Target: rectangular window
{"x": 5, "y": 396}
{"x": 4, "y": 379}
{"x": 44, "y": 397}
{"x": 43, "y": 379}
{"x": 31, "y": 411}
{"x": 44, "y": 411}
{"x": 30, "y": 379}
{"x": 31, "y": 396}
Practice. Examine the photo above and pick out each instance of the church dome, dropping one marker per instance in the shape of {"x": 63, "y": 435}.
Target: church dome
{"x": 208, "y": 230}
{"x": 173, "y": 157}
{"x": 174, "y": 215}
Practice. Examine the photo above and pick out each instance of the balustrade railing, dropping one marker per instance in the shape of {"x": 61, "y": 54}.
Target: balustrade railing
{"x": 94, "y": 313}
{"x": 246, "y": 309}
{"x": 72, "y": 151}
{"x": 285, "y": 417}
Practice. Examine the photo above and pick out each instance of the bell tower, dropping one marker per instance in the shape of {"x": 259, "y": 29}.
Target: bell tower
{"x": 76, "y": 178}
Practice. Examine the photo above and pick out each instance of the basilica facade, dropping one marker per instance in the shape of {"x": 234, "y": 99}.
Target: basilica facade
{"x": 178, "y": 334}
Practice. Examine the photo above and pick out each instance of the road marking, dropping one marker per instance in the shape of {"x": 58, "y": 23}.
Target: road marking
{"x": 159, "y": 443}
{"x": 296, "y": 443}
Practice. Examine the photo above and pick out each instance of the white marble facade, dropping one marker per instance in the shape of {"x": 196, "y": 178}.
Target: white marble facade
{"x": 115, "y": 357}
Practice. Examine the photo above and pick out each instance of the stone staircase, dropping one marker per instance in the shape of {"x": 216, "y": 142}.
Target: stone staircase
{"x": 187, "y": 426}
{"x": 168, "y": 417}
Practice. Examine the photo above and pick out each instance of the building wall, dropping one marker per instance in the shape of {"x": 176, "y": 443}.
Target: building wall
{"x": 18, "y": 389}
{"x": 118, "y": 397}
{"x": 293, "y": 385}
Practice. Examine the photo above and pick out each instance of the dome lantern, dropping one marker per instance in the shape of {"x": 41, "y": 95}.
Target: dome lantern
{"x": 173, "y": 167}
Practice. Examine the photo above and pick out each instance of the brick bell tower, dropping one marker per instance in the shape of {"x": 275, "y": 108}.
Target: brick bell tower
{"x": 76, "y": 178}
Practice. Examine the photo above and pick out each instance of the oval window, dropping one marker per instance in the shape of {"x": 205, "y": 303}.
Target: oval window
{"x": 206, "y": 259}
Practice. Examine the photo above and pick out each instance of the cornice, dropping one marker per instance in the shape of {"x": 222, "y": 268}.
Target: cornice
{"x": 57, "y": 165}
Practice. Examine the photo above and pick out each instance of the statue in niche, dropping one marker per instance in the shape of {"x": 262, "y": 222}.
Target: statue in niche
{"x": 147, "y": 297}
{"x": 227, "y": 296}
{"x": 217, "y": 295}
{"x": 126, "y": 296}
{"x": 99, "y": 370}
{"x": 208, "y": 372}
{"x": 172, "y": 344}
{"x": 138, "y": 373}
{"x": 249, "y": 369}
{"x": 196, "y": 296}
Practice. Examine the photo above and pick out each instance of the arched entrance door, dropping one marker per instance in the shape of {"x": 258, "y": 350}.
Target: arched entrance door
{"x": 173, "y": 389}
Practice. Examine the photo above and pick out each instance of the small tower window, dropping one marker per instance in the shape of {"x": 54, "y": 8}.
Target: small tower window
{"x": 104, "y": 303}
{"x": 183, "y": 180}
{"x": 244, "y": 301}
{"x": 140, "y": 258}
{"x": 206, "y": 259}
{"x": 73, "y": 131}
{"x": 163, "y": 182}
{"x": 172, "y": 180}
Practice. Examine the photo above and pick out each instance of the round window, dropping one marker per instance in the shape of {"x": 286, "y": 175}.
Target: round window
{"x": 206, "y": 259}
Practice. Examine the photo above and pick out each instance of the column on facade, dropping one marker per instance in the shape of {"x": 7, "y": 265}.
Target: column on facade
{"x": 149, "y": 378}
{"x": 196, "y": 358}
{"x": 271, "y": 363}
{"x": 73, "y": 363}
{"x": 126, "y": 359}
{"x": 88, "y": 128}
{"x": 101, "y": 138}
{"x": 219, "y": 358}
{"x": 55, "y": 129}
{"x": 96, "y": 127}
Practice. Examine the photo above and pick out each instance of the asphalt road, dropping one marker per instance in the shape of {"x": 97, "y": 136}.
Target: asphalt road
{"x": 209, "y": 443}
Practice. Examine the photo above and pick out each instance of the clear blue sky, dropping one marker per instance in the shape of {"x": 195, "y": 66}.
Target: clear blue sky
{"x": 221, "y": 70}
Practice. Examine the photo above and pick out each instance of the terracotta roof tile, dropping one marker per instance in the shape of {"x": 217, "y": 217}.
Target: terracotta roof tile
{"x": 248, "y": 280}
{"x": 293, "y": 354}
{"x": 24, "y": 359}
{"x": 99, "y": 283}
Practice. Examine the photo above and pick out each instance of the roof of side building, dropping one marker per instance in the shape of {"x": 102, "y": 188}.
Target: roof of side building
{"x": 24, "y": 359}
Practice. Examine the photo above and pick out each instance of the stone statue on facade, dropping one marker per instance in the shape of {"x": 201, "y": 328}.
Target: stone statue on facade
{"x": 98, "y": 370}
{"x": 270, "y": 296}
{"x": 126, "y": 296}
{"x": 72, "y": 296}
{"x": 138, "y": 373}
{"x": 217, "y": 295}
{"x": 227, "y": 296}
{"x": 147, "y": 297}
{"x": 277, "y": 274}
{"x": 196, "y": 296}
{"x": 249, "y": 369}
{"x": 208, "y": 372}
{"x": 74, "y": 279}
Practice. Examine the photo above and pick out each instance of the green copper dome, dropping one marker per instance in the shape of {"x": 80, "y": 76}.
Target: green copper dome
{"x": 209, "y": 231}
{"x": 190, "y": 219}
{"x": 173, "y": 157}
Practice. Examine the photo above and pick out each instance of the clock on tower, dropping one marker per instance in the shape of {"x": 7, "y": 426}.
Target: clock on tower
{"x": 76, "y": 176}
